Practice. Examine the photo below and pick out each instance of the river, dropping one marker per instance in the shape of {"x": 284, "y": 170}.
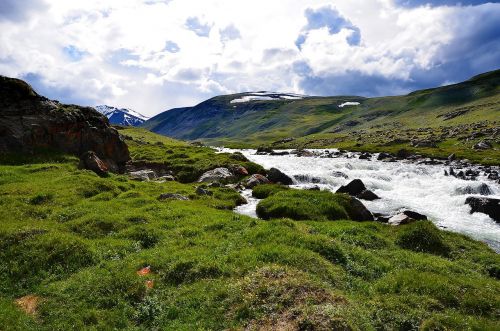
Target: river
{"x": 400, "y": 185}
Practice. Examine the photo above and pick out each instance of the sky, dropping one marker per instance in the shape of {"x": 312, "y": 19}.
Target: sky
{"x": 154, "y": 55}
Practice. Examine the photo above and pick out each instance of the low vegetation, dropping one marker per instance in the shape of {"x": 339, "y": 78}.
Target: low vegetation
{"x": 105, "y": 253}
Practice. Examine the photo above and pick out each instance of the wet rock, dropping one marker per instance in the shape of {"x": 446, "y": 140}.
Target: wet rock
{"x": 216, "y": 175}
{"x": 143, "y": 175}
{"x": 307, "y": 179}
{"x": 276, "y": 176}
{"x": 255, "y": 180}
{"x": 282, "y": 153}
{"x": 400, "y": 219}
{"x": 368, "y": 195}
{"x": 353, "y": 188}
{"x": 490, "y": 207}
{"x": 339, "y": 174}
{"x": 91, "y": 161}
{"x": 264, "y": 151}
{"x": 303, "y": 153}
{"x": 493, "y": 176}
{"x": 365, "y": 156}
{"x": 403, "y": 154}
{"x": 313, "y": 188}
{"x": 172, "y": 196}
{"x": 384, "y": 156}
{"x": 483, "y": 145}
{"x": 200, "y": 190}
{"x": 414, "y": 215}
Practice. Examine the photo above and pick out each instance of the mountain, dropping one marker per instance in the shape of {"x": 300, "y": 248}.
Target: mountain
{"x": 262, "y": 117}
{"x": 122, "y": 116}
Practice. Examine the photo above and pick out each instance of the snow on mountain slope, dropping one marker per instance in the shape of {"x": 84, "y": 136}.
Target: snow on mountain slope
{"x": 269, "y": 96}
{"x": 122, "y": 116}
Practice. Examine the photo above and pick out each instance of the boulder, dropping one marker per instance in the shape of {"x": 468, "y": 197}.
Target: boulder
{"x": 166, "y": 178}
{"x": 354, "y": 188}
{"x": 482, "y": 189}
{"x": 216, "y": 175}
{"x": 255, "y": 180}
{"x": 200, "y": 190}
{"x": 29, "y": 122}
{"x": 172, "y": 196}
{"x": 483, "y": 145}
{"x": 368, "y": 195}
{"x": 143, "y": 175}
{"x": 276, "y": 176}
{"x": 264, "y": 150}
{"x": 91, "y": 161}
{"x": 358, "y": 211}
{"x": 490, "y": 207}
{"x": 307, "y": 179}
{"x": 400, "y": 219}
{"x": 238, "y": 170}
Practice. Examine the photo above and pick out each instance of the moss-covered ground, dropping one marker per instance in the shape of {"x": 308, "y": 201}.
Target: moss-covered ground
{"x": 74, "y": 243}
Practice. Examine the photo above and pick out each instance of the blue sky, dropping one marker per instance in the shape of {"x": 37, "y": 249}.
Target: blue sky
{"x": 153, "y": 55}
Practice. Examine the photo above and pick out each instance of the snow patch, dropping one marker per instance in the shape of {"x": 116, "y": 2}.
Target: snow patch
{"x": 267, "y": 96}
{"x": 345, "y": 104}
{"x": 122, "y": 116}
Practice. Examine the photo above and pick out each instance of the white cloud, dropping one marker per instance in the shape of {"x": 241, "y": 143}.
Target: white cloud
{"x": 151, "y": 55}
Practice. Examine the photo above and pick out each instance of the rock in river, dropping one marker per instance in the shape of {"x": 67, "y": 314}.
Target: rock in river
{"x": 490, "y": 207}
{"x": 256, "y": 180}
{"x": 276, "y": 176}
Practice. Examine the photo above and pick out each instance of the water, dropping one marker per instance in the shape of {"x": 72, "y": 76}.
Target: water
{"x": 400, "y": 185}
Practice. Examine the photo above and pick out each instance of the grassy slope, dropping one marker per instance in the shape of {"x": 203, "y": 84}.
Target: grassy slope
{"x": 77, "y": 240}
{"x": 377, "y": 122}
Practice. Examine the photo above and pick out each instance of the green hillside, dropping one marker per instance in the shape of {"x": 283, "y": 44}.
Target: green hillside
{"x": 81, "y": 252}
{"x": 447, "y": 116}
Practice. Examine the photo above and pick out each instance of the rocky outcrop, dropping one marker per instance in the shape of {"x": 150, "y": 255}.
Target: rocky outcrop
{"x": 490, "y": 207}
{"x": 173, "y": 196}
{"x": 276, "y": 176}
{"x": 29, "y": 122}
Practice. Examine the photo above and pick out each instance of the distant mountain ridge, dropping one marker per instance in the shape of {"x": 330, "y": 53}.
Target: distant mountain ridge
{"x": 262, "y": 117}
{"x": 122, "y": 116}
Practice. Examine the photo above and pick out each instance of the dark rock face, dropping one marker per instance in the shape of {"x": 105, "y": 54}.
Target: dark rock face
{"x": 490, "y": 207}
{"x": 29, "y": 121}
{"x": 276, "y": 176}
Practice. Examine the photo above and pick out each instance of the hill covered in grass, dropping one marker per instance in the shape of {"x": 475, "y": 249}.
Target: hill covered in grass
{"x": 78, "y": 251}
{"x": 439, "y": 121}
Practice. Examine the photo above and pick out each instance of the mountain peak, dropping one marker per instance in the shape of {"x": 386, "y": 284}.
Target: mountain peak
{"x": 122, "y": 116}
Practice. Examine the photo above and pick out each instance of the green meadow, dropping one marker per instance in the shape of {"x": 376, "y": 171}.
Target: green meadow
{"x": 74, "y": 242}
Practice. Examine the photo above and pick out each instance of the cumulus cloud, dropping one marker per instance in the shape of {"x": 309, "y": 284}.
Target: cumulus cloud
{"x": 152, "y": 55}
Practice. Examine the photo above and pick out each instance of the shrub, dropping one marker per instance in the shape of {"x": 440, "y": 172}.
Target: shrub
{"x": 422, "y": 237}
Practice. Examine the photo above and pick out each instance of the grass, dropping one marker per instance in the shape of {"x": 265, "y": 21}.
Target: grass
{"x": 309, "y": 205}
{"x": 76, "y": 241}
{"x": 266, "y": 190}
